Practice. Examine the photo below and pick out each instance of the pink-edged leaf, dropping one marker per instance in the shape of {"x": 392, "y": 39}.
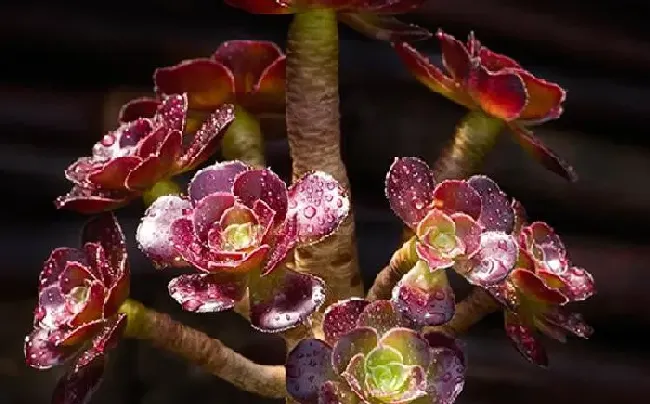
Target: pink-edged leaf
{"x": 208, "y": 212}
{"x": 237, "y": 263}
{"x": 88, "y": 200}
{"x": 56, "y": 263}
{"x": 308, "y": 367}
{"x": 414, "y": 387}
{"x": 319, "y": 204}
{"x": 81, "y": 381}
{"x": 355, "y": 375}
{"x": 172, "y": 111}
{"x": 524, "y": 340}
{"x": 424, "y": 297}
{"x": 453, "y": 196}
{"x": 447, "y": 370}
{"x": 146, "y": 174}
{"x": 265, "y": 185}
{"x": 73, "y": 337}
{"x": 382, "y": 316}
{"x": 41, "y": 352}
{"x": 247, "y": 60}
{"x": 113, "y": 174}
{"x": 219, "y": 177}
{"x": 111, "y": 333}
{"x": 285, "y": 241}
{"x": 491, "y": 60}
{"x": 336, "y": 393}
{"x": 186, "y": 244}
{"x": 414, "y": 349}
{"x": 521, "y": 217}
{"x": 341, "y": 317}
{"x": 579, "y": 284}
{"x": 360, "y": 340}
{"x": 455, "y": 56}
{"x": 432, "y": 257}
{"x": 572, "y": 322}
{"x": 206, "y": 140}
{"x": 97, "y": 262}
{"x": 105, "y": 230}
{"x": 468, "y": 232}
{"x": 207, "y": 293}
{"x": 207, "y": 83}
{"x": 541, "y": 153}
{"x": 117, "y": 293}
{"x": 409, "y": 189}
{"x": 493, "y": 261}
{"x": 384, "y": 27}
{"x": 533, "y": 287}
{"x": 545, "y": 246}
{"x": 87, "y": 308}
{"x": 544, "y": 98}
{"x": 144, "y": 107}
{"x": 497, "y": 213}
{"x": 269, "y": 92}
{"x": 284, "y": 299}
{"x": 123, "y": 141}
{"x": 154, "y": 231}
{"x": 52, "y": 310}
{"x": 501, "y": 94}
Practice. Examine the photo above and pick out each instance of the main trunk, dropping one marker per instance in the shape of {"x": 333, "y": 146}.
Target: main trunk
{"x": 314, "y": 139}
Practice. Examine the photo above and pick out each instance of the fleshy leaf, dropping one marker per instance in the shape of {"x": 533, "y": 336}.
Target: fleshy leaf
{"x": 579, "y": 284}
{"x": 77, "y": 386}
{"x": 219, "y": 177}
{"x": 54, "y": 266}
{"x": 572, "y": 322}
{"x": 308, "y": 367}
{"x": 413, "y": 348}
{"x": 341, "y": 317}
{"x": 544, "y": 99}
{"x": 447, "y": 374}
{"x": 453, "y": 196}
{"x": 285, "y": 241}
{"x": 409, "y": 189}
{"x": 497, "y": 213}
{"x": 253, "y": 185}
{"x": 360, "y": 340}
{"x": 206, "y": 293}
{"x": 533, "y": 287}
{"x": 493, "y": 262}
{"x": 524, "y": 340}
{"x": 88, "y": 200}
{"x": 41, "y": 352}
{"x": 144, "y": 107}
{"x": 355, "y": 375}
{"x": 284, "y": 299}
{"x": 501, "y": 94}
{"x": 455, "y": 56}
{"x": 114, "y": 173}
{"x": 154, "y": 233}
{"x": 208, "y": 212}
{"x": 319, "y": 204}
{"x": 540, "y": 152}
{"x": 105, "y": 230}
{"x": 425, "y": 297}
{"x": 207, "y": 138}
{"x": 336, "y": 393}
{"x": 382, "y": 316}
{"x": 384, "y": 27}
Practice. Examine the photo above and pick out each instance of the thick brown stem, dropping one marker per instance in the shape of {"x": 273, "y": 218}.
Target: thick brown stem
{"x": 470, "y": 311}
{"x": 198, "y": 348}
{"x": 402, "y": 261}
{"x": 314, "y": 140}
{"x": 475, "y": 136}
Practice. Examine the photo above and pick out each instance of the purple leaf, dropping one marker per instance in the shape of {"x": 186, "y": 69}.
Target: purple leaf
{"x": 497, "y": 213}
{"x": 454, "y": 196}
{"x": 105, "y": 230}
{"x": 493, "y": 262}
{"x": 341, "y": 317}
{"x": 308, "y": 367}
{"x": 215, "y": 178}
{"x": 264, "y": 185}
{"x": 41, "y": 352}
{"x": 78, "y": 385}
{"x": 206, "y": 293}
{"x": 524, "y": 340}
{"x": 154, "y": 232}
{"x": 409, "y": 189}
{"x": 382, "y": 316}
{"x": 358, "y": 341}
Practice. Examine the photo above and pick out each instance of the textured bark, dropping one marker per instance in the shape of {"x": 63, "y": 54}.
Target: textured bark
{"x": 243, "y": 140}
{"x": 198, "y": 348}
{"x": 314, "y": 140}
{"x": 475, "y": 136}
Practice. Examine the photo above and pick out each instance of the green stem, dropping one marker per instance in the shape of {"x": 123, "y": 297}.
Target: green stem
{"x": 243, "y": 140}
{"x": 160, "y": 188}
{"x": 314, "y": 139}
{"x": 475, "y": 136}
{"x": 198, "y": 348}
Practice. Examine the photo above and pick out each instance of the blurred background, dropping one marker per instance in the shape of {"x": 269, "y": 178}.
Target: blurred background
{"x": 66, "y": 69}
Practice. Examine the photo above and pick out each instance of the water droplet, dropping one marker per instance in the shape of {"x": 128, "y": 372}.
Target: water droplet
{"x": 309, "y": 212}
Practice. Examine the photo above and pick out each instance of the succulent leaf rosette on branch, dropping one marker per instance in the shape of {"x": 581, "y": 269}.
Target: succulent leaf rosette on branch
{"x": 481, "y": 79}
{"x": 373, "y": 18}
{"x": 371, "y": 355}
{"x": 133, "y": 158}
{"x": 462, "y": 224}
{"x": 534, "y": 294}
{"x": 236, "y": 226}
{"x": 80, "y": 291}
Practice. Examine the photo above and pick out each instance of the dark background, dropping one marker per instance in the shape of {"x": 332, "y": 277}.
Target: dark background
{"x": 65, "y": 69}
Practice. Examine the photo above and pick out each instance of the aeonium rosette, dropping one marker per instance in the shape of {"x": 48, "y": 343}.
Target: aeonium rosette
{"x": 483, "y": 80}
{"x": 133, "y": 158}
{"x": 80, "y": 291}
{"x": 534, "y": 293}
{"x": 236, "y": 226}
{"x": 464, "y": 224}
{"x": 369, "y": 355}
{"x": 373, "y": 18}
